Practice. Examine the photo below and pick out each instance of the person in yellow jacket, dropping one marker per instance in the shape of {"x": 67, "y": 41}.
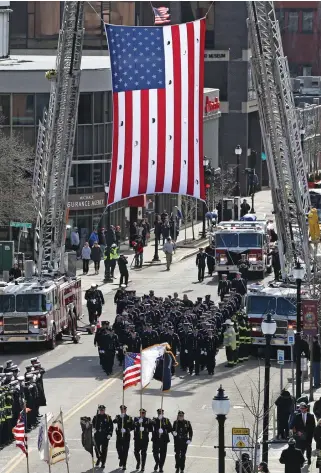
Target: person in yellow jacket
{"x": 113, "y": 258}
{"x": 229, "y": 342}
{"x": 314, "y": 227}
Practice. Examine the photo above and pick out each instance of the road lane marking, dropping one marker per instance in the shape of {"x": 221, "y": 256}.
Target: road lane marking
{"x": 12, "y": 464}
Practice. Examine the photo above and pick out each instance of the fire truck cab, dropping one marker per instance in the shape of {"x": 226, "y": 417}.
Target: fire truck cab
{"x": 41, "y": 311}
{"x": 232, "y": 239}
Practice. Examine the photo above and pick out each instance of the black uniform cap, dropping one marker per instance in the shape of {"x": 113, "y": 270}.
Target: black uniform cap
{"x": 9, "y": 363}
{"x": 160, "y": 411}
{"x": 14, "y": 368}
{"x": 101, "y": 407}
{"x": 142, "y": 410}
{"x": 122, "y": 407}
{"x": 34, "y": 360}
{"x": 180, "y": 413}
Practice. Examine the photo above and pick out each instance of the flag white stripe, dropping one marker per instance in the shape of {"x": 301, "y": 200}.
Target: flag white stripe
{"x": 169, "y": 153}
{"x": 136, "y": 143}
{"x": 197, "y": 30}
{"x": 184, "y": 106}
{"x": 121, "y": 147}
{"x": 152, "y": 156}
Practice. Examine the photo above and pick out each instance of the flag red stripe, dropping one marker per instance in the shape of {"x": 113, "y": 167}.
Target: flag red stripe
{"x": 112, "y": 185}
{"x": 161, "y": 140}
{"x": 201, "y": 92}
{"x": 177, "y": 84}
{"x": 144, "y": 141}
{"x": 128, "y": 144}
{"x": 191, "y": 84}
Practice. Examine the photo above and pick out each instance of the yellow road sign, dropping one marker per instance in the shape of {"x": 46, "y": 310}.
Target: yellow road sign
{"x": 240, "y": 438}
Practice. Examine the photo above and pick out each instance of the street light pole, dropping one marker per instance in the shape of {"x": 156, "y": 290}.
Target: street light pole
{"x": 107, "y": 277}
{"x": 268, "y": 330}
{"x": 238, "y": 152}
{"x": 298, "y": 274}
{"x": 156, "y": 257}
{"x": 205, "y": 165}
{"x": 221, "y": 406}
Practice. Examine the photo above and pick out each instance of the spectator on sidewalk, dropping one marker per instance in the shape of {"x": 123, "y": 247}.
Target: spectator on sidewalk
{"x": 75, "y": 239}
{"x": 123, "y": 269}
{"x": 263, "y": 467}
{"x": 292, "y": 458}
{"x": 284, "y": 406}
{"x": 85, "y": 256}
{"x": 169, "y": 248}
{"x": 165, "y": 231}
{"x": 118, "y": 235}
{"x": 93, "y": 238}
{"x": 158, "y": 228}
{"x": 146, "y": 233}
{"x": 102, "y": 241}
{"x": 247, "y": 465}
{"x": 96, "y": 256}
{"x": 139, "y": 251}
{"x": 303, "y": 428}
{"x": 317, "y": 409}
{"x": 133, "y": 233}
{"x": 164, "y": 215}
{"x": 110, "y": 235}
{"x": 316, "y": 362}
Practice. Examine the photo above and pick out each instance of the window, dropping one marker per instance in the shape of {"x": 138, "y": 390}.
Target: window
{"x": 4, "y": 109}
{"x": 23, "y": 109}
{"x": 98, "y": 175}
{"x": 280, "y": 18}
{"x": 85, "y": 109}
{"x": 99, "y": 107}
{"x": 85, "y": 141}
{"x": 227, "y": 240}
{"x": 30, "y": 303}
{"x": 293, "y": 21}
{"x": 84, "y": 175}
{"x": 250, "y": 240}
{"x": 307, "y": 22}
{"x": 261, "y": 304}
{"x": 286, "y": 306}
{"x": 307, "y": 71}
{"x": 42, "y": 101}
{"x": 7, "y": 303}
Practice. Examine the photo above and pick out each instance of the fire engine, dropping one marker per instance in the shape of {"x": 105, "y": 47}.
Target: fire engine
{"x": 232, "y": 239}
{"x": 39, "y": 310}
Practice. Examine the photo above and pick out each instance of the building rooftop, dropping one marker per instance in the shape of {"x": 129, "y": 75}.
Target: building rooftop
{"x": 45, "y": 63}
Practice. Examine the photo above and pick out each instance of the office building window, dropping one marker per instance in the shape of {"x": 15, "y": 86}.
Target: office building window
{"x": 99, "y": 107}
{"x": 85, "y": 140}
{"x": 84, "y": 175}
{"x": 307, "y": 71}
{"x": 4, "y": 109}
{"x": 42, "y": 101}
{"x": 293, "y": 21}
{"x": 85, "y": 113}
{"x": 98, "y": 177}
{"x": 23, "y": 109}
{"x": 307, "y": 22}
{"x": 280, "y": 18}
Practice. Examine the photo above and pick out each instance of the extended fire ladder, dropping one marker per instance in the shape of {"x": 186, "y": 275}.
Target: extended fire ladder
{"x": 281, "y": 136}
{"x": 55, "y": 142}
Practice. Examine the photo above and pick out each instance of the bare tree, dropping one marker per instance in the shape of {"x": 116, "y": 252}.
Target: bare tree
{"x": 16, "y": 169}
{"x": 189, "y": 208}
{"x": 223, "y": 184}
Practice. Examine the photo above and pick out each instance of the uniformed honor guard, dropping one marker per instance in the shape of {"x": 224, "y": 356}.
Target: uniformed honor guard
{"x": 243, "y": 266}
{"x": 124, "y": 426}
{"x": 160, "y": 437}
{"x": 183, "y": 434}
{"x": 103, "y": 431}
{"x": 224, "y": 287}
{"x": 142, "y": 428}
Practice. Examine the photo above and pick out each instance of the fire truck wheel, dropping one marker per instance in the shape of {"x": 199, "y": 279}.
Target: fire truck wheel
{"x": 51, "y": 344}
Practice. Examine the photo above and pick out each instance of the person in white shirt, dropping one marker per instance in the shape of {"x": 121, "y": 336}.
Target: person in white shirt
{"x": 169, "y": 248}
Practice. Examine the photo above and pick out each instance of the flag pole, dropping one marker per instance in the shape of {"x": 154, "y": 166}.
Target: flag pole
{"x": 26, "y": 436}
{"x": 63, "y": 431}
{"x": 48, "y": 448}
{"x": 141, "y": 389}
{"x": 123, "y": 400}
{"x": 162, "y": 399}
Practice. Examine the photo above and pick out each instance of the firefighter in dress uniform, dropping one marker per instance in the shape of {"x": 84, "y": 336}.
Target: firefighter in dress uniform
{"x": 103, "y": 431}
{"x": 224, "y": 287}
{"x": 243, "y": 266}
{"x": 230, "y": 343}
{"x": 142, "y": 428}
{"x": 183, "y": 434}
{"x": 160, "y": 437}
{"x": 124, "y": 426}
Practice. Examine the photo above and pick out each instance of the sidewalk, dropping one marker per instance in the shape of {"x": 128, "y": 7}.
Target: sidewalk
{"x": 184, "y": 250}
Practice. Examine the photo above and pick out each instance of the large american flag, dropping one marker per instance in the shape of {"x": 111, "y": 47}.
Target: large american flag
{"x": 132, "y": 370}
{"x": 162, "y": 16}
{"x": 19, "y": 433}
{"x": 158, "y": 78}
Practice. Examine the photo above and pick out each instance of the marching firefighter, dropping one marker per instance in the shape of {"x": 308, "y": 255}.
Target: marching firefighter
{"x": 201, "y": 258}
{"x": 124, "y": 426}
{"x": 183, "y": 434}
{"x": 160, "y": 437}
{"x": 237, "y": 336}
{"x": 142, "y": 428}
{"x": 95, "y": 301}
{"x": 239, "y": 285}
{"x": 210, "y": 260}
{"x": 229, "y": 342}
{"x": 243, "y": 266}
{"x": 242, "y": 337}
{"x": 210, "y": 348}
{"x": 103, "y": 431}
{"x": 224, "y": 287}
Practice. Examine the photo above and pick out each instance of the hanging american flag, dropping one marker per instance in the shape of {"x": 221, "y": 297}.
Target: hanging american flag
{"x": 158, "y": 77}
{"x": 162, "y": 16}
{"x": 19, "y": 433}
{"x": 132, "y": 370}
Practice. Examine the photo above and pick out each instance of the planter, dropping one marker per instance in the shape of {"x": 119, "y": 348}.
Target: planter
{"x": 311, "y": 185}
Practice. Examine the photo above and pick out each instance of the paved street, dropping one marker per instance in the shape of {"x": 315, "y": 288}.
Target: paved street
{"x": 75, "y": 382}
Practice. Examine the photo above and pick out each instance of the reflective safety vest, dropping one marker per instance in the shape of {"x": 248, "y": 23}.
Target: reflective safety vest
{"x": 8, "y": 400}
{"x": 230, "y": 338}
{"x": 243, "y": 333}
{"x": 114, "y": 253}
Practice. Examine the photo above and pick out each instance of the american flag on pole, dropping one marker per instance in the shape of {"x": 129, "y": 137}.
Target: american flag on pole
{"x": 132, "y": 371}
{"x": 162, "y": 15}
{"x": 19, "y": 432}
{"x": 158, "y": 79}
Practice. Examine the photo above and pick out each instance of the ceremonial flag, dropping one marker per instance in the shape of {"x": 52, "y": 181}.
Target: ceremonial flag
{"x": 132, "y": 371}
{"x": 19, "y": 432}
{"x": 163, "y": 371}
{"x": 149, "y": 359}
{"x": 162, "y": 16}
{"x": 158, "y": 78}
{"x": 43, "y": 440}
{"x": 58, "y": 450}
{"x": 87, "y": 434}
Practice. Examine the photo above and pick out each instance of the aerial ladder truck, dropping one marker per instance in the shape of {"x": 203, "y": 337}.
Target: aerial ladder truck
{"x": 45, "y": 307}
{"x": 281, "y": 137}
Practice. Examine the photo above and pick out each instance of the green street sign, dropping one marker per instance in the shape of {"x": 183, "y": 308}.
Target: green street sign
{"x": 20, "y": 225}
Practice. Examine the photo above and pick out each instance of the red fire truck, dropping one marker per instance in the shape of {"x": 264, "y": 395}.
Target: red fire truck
{"x": 40, "y": 311}
{"x": 232, "y": 239}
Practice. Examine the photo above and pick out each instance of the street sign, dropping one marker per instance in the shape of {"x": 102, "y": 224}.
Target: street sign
{"x": 240, "y": 439}
{"x": 310, "y": 316}
{"x": 280, "y": 357}
{"x": 291, "y": 337}
{"x": 20, "y": 224}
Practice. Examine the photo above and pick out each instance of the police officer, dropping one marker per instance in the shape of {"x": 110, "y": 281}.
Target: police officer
{"x": 183, "y": 434}
{"x": 149, "y": 337}
{"x": 194, "y": 352}
{"x": 124, "y": 426}
{"x": 201, "y": 263}
{"x": 210, "y": 348}
{"x": 243, "y": 266}
{"x": 103, "y": 431}
{"x": 160, "y": 437}
{"x": 95, "y": 301}
{"x": 108, "y": 345}
{"x": 184, "y": 336}
{"x": 224, "y": 287}
{"x": 142, "y": 428}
